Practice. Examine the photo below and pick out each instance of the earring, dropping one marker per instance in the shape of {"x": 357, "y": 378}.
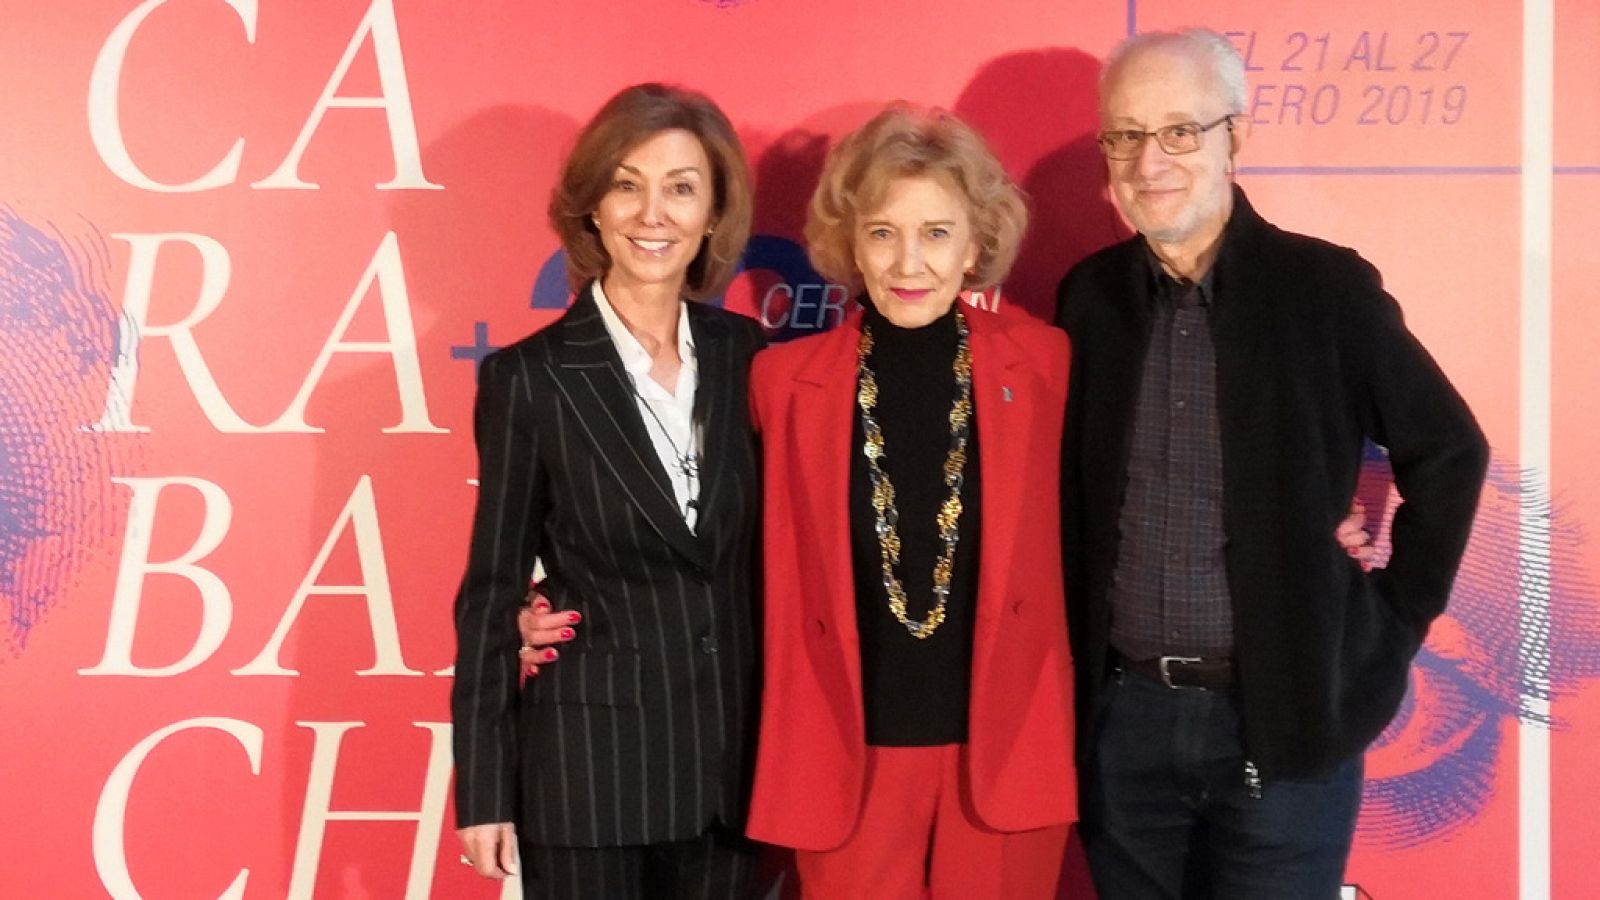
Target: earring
{"x": 710, "y": 230}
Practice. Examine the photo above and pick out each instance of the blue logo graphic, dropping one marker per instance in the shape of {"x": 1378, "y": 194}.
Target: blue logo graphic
{"x": 802, "y": 302}
{"x": 1433, "y": 769}
{"x": 58, "y": 336}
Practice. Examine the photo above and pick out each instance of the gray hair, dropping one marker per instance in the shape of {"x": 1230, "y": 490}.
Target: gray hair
{"x": 1223, "y": 59}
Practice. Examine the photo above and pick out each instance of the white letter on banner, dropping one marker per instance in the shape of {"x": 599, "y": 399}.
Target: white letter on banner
{"x": 395, "y": 101}
{"x": 316, "y": 814}
{"x": 105, "y": 125}
{"x": 361, "y": 514}
{"x": 110, "y": 856}
{"x": 215, "y": 268}
{"x": 216, "y": 606}
{"x": 401, "y": 347}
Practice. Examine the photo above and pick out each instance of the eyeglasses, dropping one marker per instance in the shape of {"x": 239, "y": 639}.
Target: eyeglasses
{"x": 1176, "y": 140}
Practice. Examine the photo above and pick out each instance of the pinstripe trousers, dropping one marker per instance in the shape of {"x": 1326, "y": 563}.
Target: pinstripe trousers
{"x": 718, "y": 865}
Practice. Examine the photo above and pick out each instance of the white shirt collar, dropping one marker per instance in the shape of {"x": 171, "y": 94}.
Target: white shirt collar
{"x": 635, "y": 358}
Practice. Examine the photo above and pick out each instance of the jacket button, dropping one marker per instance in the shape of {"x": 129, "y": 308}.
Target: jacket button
{"x": 708, "y": 643}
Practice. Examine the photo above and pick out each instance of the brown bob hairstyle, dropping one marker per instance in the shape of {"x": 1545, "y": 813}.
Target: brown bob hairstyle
{"x": 627, "y": 120}
{"x": 906, "y": 142}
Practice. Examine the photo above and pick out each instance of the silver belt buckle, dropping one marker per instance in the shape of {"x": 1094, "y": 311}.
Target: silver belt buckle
{"x": 1166, "y": 674}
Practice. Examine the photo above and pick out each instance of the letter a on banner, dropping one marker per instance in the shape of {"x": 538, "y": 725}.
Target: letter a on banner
{"x": 395, "y": 101}
{"x": 386, "y": 271}
{"x": 361, "y": 515}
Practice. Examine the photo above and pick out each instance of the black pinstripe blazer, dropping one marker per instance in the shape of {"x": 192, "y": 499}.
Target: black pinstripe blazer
{"x": 643, "y": 730}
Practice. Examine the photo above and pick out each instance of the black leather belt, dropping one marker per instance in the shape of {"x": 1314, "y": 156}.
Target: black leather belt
{"x": 1208, "y": 674}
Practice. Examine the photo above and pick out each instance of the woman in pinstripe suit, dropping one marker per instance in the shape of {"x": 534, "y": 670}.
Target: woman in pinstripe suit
{"x": 615, "y": 447}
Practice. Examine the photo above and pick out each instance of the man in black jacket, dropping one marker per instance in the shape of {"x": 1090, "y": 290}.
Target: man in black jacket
{"x": 1233, "y": 661}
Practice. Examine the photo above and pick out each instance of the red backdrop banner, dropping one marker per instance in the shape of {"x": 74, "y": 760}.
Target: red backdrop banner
{"x": 251, "y": 250}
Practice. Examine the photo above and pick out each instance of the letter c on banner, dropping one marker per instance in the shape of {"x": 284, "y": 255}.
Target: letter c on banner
{"x": 110, "y": 857}
{"x": 105, "y": 125}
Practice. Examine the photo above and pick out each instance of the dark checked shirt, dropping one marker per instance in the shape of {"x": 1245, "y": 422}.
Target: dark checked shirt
{"x": 1169, "y": 591}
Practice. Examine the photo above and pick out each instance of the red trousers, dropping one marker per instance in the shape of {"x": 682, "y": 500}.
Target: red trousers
{"x": 919, "y": 838}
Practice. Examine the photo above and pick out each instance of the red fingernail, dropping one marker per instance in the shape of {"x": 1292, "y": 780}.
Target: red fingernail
{"x": 574, "y": 618}
{"x": 549, "y": 654}
{"x": 567, "y": 633}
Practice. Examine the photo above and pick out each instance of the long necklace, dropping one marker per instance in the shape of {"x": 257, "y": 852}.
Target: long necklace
{"x": 888, "y": 517}
{"x": 687, "y": 462}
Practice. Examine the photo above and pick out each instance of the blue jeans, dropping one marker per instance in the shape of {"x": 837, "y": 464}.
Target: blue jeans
{"x": 1168, "y": 815}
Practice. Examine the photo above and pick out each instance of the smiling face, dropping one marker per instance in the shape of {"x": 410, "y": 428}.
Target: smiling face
{"x": 654, "y": 217}
{"x": 1185, "y": 200}
{"x": 913, "y": 250}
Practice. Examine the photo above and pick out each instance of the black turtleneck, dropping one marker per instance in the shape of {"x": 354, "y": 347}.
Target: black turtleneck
{"x": 915, "y": 691}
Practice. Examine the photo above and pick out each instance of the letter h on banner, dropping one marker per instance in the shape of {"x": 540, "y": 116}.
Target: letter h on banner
{"x": 317, "y": 811}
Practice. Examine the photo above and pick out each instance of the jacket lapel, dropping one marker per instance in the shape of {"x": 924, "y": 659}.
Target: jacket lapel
{"x": 1239, "y": 274}
{"x": 595, "y": 386}
{"x": 1121, "y": 348}
{"x": 824, "y": 410}
{"x": 713, "y": 413}
{"x": 1006, "y": 401}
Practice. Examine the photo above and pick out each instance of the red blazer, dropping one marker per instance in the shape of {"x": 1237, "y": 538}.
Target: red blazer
{"x": 810, "y": 760}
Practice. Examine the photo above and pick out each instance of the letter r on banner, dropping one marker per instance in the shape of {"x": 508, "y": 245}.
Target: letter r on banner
{"x": 215, "y": 268}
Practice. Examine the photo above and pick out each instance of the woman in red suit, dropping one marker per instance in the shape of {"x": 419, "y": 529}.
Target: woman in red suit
{"x": 916, "y": 722}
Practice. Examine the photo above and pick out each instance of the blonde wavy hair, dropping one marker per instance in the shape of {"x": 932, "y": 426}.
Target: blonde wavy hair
{"x": 907, "y": 142}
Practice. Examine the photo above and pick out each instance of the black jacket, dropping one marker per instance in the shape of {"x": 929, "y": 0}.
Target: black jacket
{"x": 1312, "y": 358}
{"x": 644, "y": 730}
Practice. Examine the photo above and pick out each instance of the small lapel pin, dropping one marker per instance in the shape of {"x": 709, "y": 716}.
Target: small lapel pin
{"x": 1006, "y": 392}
